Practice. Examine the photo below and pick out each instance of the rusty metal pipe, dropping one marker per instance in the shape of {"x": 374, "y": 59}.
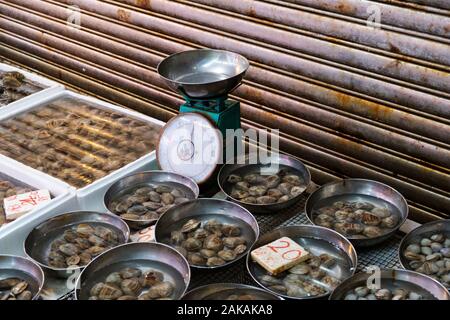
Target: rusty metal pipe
{"x": 344, "y": 55}
{"x": 400, "y": 17}
{"x": 260, "y": 53}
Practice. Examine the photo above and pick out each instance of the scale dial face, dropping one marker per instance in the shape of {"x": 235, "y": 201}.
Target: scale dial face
{"x": 190, "y": 145}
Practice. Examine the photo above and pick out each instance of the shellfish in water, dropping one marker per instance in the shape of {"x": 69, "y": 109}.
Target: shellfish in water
{"x": 203, "y": 242}
{"x": 263, "y": 189}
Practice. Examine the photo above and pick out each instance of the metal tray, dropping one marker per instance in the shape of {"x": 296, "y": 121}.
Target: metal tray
{"x": 98, "y": 104}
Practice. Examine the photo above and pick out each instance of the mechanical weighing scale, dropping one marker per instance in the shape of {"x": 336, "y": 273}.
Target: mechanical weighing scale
{"x": 191, "y": 143}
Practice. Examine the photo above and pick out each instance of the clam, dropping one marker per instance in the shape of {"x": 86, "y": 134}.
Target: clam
{"x": 383, "y": 294}
{"x": 151, "y": 277}
{"x": 131, "y": 286}
{"x": 191, "y": 225}
{"x": 200, "y": 234}
{"x": 180, "y": 200}
{"x": 143, "y": 191}
{"x": 230, "y": 230}
{"x": 257, "y": 191}
{"x": 215, "y": 262}
{"x": 73, "y": 260}
{"x": 129, "y": 216}
{"x": 265, "y": 200}
{"x": 240, "y": 249}
{"x": 196, "y": 259}
{"x": 361, "y": 291}
{"x": 19, "y": 288}
{"x": 314, "y": 262}
{"x": 114, "y": 277}
{"x": 97, "y": 241}
{"x": 438, "y": 237}
{"x": 84, "y": 230}
{"x": 301, "y": 268}
{"x": 239, "y": 194}
{"x": 212, "y": 225}
{"x": 154, "y": 196}
{"x": 227, "y": 255}
{"x": 181, "y": 250}
{"x": 106, "y": 234}
{"x": 163, "y": 189}
{"x": 95, "y": 290}
{"x": 137, "y": 209}
{"x": 283, "y": 198}
{"x": 70, "y": 235}
{"x": 254, "y": 178}
{"x": 177, "y": 237}
{"x": 127, "y": 298}
{"x": 370, "y": 219}
{"x": 372, "y": 232}
{"x": 272, "y": 181}
{"x": 274, "y": 193}
{"x": 128, "y": 273}
{"x": 8, "y": 283}
{"x": 68, "y": 249}
{"x": 95, "y": 250}
{"x": 381, "y": 212}
{"x": 410, "y": 255}
{"x": 364, "y": 206}
{"x": 285, "y": 188}
{"x": 192, "y": 244}
{"x": 296, "y": 191}
{"x": 327, "y": 261}
{"x": 415, "y": 248}
{"x": 436, "y": 246}
{"x": 214, "y": 242}
{"x": 167, "y": 198}
{"x": 389, "y": 222}
{"x": 233, "y": 242}
{"x": 269, "y": 280}
{"x": 82, "y": 243}
{"x": 242, "y": 186}
{"x": 160, "y": 290}
{"x": 426, "y": 250}
{"x": 234, "y": 178}
{"x": 330, "y": 281}
{"x": 152, "y": 205}
{"x": 292, "y": 179}
{"x": 207, "y": 253}
{"x": 150, "y": 215}
{"x": 348, "y": 228}
{"x": 109, "y": 291}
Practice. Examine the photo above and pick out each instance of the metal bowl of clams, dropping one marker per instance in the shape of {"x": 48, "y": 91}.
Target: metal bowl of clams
{"x": 394, "y": 284}
{"x": 20, "y": 278}
{"x": 135, "y": 271}
{"x": 210, "y": 233}
{"x": 366, "y": 212}
{"x": 139, "y": 199}
{"x": 264, "y": 187}
{"x": 332, "y": 259}
{"x": 68, "y": 242}
{"x": 426, "y": 249}
{"x": 229, "y": 291}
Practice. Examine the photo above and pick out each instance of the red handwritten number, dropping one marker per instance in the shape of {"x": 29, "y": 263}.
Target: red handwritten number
{"x": 291, "y": 254}
{"x": 274, "y": 248}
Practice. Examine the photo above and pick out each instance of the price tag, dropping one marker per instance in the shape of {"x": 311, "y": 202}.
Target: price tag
{"x": 144, "y": 235}
{"x": 279, "y": 255}
{"x": 18, "y": 205}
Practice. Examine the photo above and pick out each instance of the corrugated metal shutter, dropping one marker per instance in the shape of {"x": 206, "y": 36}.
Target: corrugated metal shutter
{"x": 350, "y": 99}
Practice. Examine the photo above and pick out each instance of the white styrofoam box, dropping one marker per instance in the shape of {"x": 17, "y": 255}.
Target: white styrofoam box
{"x": 129, "y": 168}
{"x": 50, "y": 87}
{"x": 64, "y": 198}
{"x": 92, "y": 197}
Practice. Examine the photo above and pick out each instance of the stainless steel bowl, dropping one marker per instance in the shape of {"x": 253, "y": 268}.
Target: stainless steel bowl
{"x": 353, "y": 188}
{"x": 203, "y": 73}
{"x": 221, "y": 291}
{"x": 391, "y": 278}
{"x": 25, "y": 269}
{"x": 244, "y": 165}
{"x": 131, "y": 182}
{"x": 144, "y": 256}
{"x": 425, "y": 230}
{"x": 204, "y": 209}
{"x": 316, "y": 240}
{"x": 38, "y": 242}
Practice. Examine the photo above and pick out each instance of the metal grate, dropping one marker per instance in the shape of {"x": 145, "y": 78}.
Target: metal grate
{"x": 383, "y": 255}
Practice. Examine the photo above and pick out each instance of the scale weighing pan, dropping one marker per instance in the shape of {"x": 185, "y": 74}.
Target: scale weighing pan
{"x": 203, "y": 73}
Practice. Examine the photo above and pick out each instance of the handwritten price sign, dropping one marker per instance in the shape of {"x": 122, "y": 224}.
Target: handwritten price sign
{"x": 280, "y": 255}
{"x": 20, "y": 204}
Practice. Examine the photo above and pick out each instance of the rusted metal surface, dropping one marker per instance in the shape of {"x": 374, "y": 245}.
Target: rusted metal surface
{"x": 350, "y": 100}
